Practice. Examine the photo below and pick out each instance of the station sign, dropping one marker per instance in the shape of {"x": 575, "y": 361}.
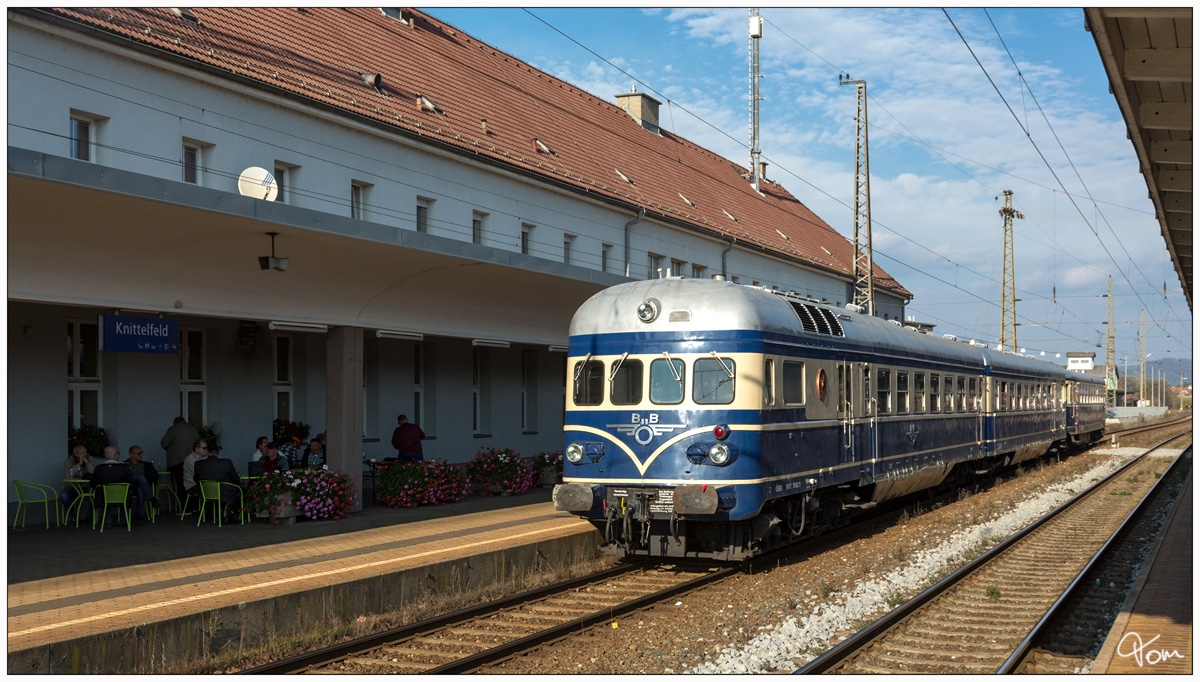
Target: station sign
{"x": 129, "y": 334}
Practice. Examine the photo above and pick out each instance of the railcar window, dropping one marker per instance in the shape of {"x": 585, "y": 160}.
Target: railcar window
{"x": 901, "y": 391}
{"x": 919, "y": 392}
{"x": 769, "y": 382}
{"x": 883, "y": 383}
{"x": 589, "y": 383}
{"x": 665, "y": 389}
{"x": 841, "y": 390}
{"x": 972, "y": 389}
{"x": 1002, "y": 398}
{"x": 711, "y": 383}
{"x": 962, "y": 394}
{"x": 935, "y": 393}
{"x": 793, "y": 383}
{"x": 866, "y": 394}
{"x": 948, "y": 393}
{"x": 627, "y": 383}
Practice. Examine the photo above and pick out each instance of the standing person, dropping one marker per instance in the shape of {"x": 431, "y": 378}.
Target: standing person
{"x": 113, "y": 470}
{"x": 260, "y": 449}
{"x": 144, "y": 474}
{"x": 177, "y": 441}
{"x": 78, "y": 465}
{"x": 407, "y": 440}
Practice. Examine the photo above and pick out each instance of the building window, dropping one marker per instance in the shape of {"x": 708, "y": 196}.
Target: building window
{"x": 477, "y": 220}
{"x": 283, "y": 180}
{"x": 655, "y": 266}
{"x": 568, "y": 242}
{"x": 605, "y": 250}
{"x": 191, "y": 164}
{"x": 193, "y": 371}
{"x": 698, "y": 271}
{"x": 423, "y": 206}
{"x": 481, "y": 421}
{"x": 418, "y": 386}
{"x": 283, "y": 377}
{"x": 81, "y": 138}
{"x": 526, "y": 235}
{"x": 677, "y": 267}
{"x": 359, "y": 198}
{"x": 83, "y": 374}
{"x": 529, "y": 385}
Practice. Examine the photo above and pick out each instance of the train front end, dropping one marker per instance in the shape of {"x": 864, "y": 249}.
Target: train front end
{"x": 664, "y": 395}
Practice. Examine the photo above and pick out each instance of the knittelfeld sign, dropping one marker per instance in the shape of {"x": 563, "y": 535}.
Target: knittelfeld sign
{"x": 128, "y": 334}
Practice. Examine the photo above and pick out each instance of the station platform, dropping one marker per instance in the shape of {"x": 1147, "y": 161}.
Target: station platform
{"x": 1153, "y": 632}
{"x": 118, "y": 601}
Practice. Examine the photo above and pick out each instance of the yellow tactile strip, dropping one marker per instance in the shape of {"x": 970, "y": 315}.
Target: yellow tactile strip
{"x": 1156, "y": 637}
{"x": 64, "y": 608}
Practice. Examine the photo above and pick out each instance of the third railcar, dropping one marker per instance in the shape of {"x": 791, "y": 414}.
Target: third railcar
{"x": 710, "y": 419}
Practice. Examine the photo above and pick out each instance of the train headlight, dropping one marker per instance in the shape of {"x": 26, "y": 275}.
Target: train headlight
{"x": 574, "y": 453}
{"x": 648, "y": 310}
{"x": 719, "y": 454}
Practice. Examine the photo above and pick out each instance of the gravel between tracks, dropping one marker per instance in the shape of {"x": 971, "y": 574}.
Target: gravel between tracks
{"x": 785, "y": 617}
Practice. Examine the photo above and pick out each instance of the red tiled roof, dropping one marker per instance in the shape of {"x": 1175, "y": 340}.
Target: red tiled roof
{"x": 320, "y": 53}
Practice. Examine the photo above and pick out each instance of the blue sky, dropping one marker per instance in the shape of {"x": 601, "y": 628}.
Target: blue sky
{"x": 943, "y": 144}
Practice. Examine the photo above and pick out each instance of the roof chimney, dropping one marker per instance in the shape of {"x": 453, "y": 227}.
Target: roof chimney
{"x": 642, "y": 107}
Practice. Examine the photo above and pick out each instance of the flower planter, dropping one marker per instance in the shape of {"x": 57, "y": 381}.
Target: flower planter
{"x": 287, "y": 512}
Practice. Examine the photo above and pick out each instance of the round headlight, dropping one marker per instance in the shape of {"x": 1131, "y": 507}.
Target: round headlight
{"x": 648, "y": 310}
{"x": 574, "y": 453}
{"x": 719, "y": 453}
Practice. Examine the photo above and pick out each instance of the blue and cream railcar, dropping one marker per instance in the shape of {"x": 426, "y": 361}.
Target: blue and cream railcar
{"x": 709, "y": 419}
{"x": 1085, "y": 409}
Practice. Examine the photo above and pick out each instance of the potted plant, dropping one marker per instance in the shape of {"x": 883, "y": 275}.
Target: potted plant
{"x": 89, "y": 436}
{"x": 549, "y": 466}
{"x": 208, "y": 432}
{"x": 315, "y": 493}
{"x": 283, "y": 430}
{"x": 408, "y": 484}
{"x": 496, "y": 471}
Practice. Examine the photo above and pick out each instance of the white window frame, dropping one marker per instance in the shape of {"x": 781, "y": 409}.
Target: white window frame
{"x": 423, "y": 209}
{"x": 653, "y": 265}
{"x": 568, "y": 247}
{"x": 72, "y": 141}
{"x": 189, "y": 385}
{"x": 285, "y": 385}
{"x": 476, "y": 370}
{"x": 418, "y": 383}
{"x": 285, "y": 179}
{"x": 526, "y": 237}
{"x": 77, "y": 383}
{"x": 360, "y": 193}
{"x": 478, "y": 226}
{"x": 677, "y": 267}
{"x": 698, "y": 271}
{"x": 605, "y": 251}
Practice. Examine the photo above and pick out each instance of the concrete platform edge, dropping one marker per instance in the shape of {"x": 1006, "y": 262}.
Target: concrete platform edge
{"x": 1104, "y": 658}
{"x": 163, "y": 646}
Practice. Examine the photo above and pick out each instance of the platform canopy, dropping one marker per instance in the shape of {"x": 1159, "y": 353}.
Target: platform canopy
{"x": 1147, "y": 52}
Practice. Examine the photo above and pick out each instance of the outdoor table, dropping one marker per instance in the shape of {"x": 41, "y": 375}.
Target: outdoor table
{"x": 374, "y": 467}
{"x": 79, "y": 484}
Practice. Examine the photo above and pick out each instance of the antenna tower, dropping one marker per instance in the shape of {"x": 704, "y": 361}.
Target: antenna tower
{"x": 756, "y": 31}
{"x": 864, "y": 259}
{"x": 1110, "y": 360}
{"x": 1008, "y": 307}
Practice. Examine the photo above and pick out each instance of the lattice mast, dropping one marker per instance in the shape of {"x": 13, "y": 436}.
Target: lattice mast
{"x": 864, "y": 259}
{"x": 1110, "y": 358}
{"x": 756, "y": 31}
{"x": 1008, "y": 307}
{"x": 1142, "y": 372}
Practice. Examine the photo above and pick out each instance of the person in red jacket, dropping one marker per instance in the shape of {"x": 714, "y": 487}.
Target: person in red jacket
{"x": 407, "y": 440}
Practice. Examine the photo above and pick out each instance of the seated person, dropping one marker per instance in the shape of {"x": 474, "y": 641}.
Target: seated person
{"x": 216, "y": 468}
{"x": 289, "y": 449}
{"x": 260, "y": 449}
{"x": 78, "y": 465}
{"x": 199, "y": 452}
{"x": 145, "y": 475}
{"x": 113, "y": 470}
{"x": 314, "y": 455}
{"x": 272, "y": 461}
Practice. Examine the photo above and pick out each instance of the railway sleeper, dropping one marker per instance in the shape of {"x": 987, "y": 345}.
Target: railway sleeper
{"x": 921, "y": 646}
{"x": 439, "y": 641}
{"x": 540, "y": 608}
{"x": 928, "y": 664}
{"x": 522, "y": 615}
{"x": 507, "y": 635}
{"x": 406, "y": 651}
{"x": 386, "y": 663}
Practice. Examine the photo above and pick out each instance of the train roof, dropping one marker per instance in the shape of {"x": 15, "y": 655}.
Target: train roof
{"x": 687, "y": 304}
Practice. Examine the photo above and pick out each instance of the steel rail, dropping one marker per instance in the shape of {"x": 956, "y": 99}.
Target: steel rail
{"x": 331, "y": 654}
{"x": 1017, "y": 659}
{"x": 843, "y": 651}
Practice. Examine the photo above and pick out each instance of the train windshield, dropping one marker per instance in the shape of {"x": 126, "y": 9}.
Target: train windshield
{"x": 627, "y": 383}
{"x": 589, "y": 382}
{"x": 713, "y": 381}
{"x": 666, "y": 382}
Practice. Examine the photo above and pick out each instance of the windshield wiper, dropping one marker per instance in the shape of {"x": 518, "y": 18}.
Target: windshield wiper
{"x": 616, "y": 365}
{"x": 723, "y": 365}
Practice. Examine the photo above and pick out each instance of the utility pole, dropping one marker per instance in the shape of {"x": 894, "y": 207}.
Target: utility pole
{"x": 1110, "y": 361}
{"x": 756, "y": 31}
{"x": 864, "y": 259}
{"x": 1142, "y": 373}
{"x": 1008, "y": 307}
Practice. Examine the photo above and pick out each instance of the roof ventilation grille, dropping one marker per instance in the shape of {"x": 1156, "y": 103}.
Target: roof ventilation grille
{"x": 815, "y": 319}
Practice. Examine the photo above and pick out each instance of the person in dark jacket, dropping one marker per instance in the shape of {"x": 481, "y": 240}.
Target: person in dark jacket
{"x": 144, "y": 476}
{"x": 113, "y": 470}
{"x": 217, "y": 468}
{"x": 407, "y": 440}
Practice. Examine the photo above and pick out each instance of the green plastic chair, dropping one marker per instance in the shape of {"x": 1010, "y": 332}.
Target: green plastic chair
{"x": 166, "y": 483}
{"x": 29, "y": 492}
{"x": 210, "y": 492}
{"x": 88, "y": 495}
{"x": 112, "y": 493}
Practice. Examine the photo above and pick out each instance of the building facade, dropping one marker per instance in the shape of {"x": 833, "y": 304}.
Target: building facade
{"x": 442, "y": 207}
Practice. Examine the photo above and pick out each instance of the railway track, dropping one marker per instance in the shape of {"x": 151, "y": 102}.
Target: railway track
{"x": 983, "y": 618}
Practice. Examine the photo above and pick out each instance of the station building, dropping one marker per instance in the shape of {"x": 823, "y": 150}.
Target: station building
{"x": 442, "y": 208}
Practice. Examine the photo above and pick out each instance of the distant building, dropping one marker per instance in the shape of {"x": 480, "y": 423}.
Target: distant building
{"x": 1081, "y": 361}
